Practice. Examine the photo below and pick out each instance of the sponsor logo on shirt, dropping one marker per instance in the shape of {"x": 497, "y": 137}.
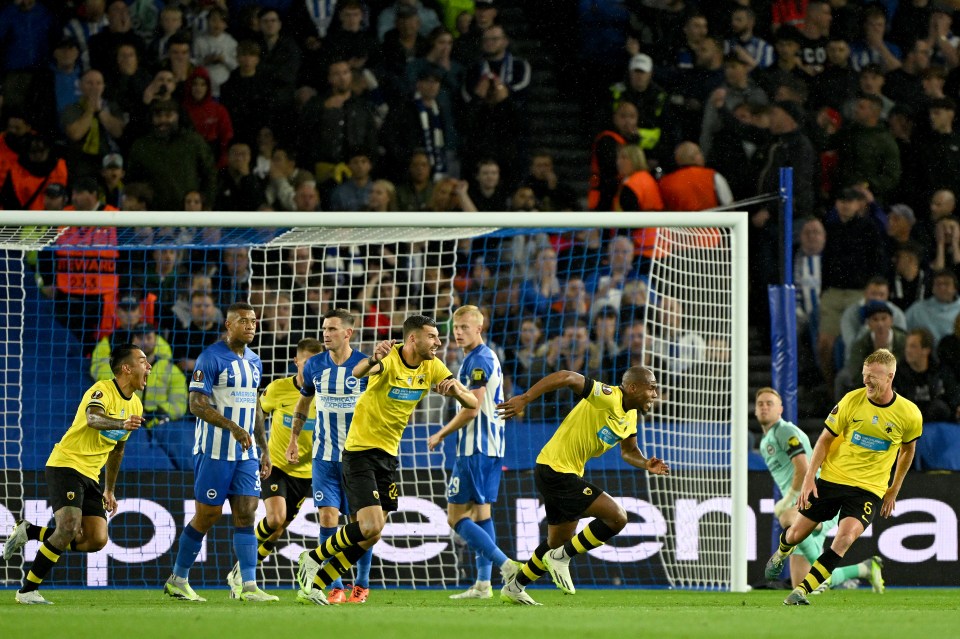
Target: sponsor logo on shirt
{"x": 405, "y": 394}
{"x": 607, "y": 436}
{"x": 870, "y": 443}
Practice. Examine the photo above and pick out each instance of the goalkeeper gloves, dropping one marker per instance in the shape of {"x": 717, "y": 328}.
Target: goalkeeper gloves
{"x": 786, "y": 503}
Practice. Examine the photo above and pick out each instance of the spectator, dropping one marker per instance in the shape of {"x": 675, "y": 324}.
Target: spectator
{"x": 280, "y": 66}
{"x": 948, "y": 354}
{"x": 210, "y": 119}
{"x": 437, "y": 60}
{"x": 27, "y": 31}
{"x": 103, "y": 46}
{"x": 421, "y": 123}
{"x": 606, "y": 283}
{"x": 693, "y": 187}
{"x": 173, "y": 161}
{"x": 232, "y": 280}
{"x": 541, "y": 289}
{"x": 919, "y": 379}
{"x": 217, "y": 50}
{"x": 574, "y": 303}
{"x": 111, "y": 176}
{"x": 521, "y": 358}
{"x": 900, "y": 224}
{"x": 171, "y": 22}
{"x": 604, "y": 336}
{"x": 940, "y": 164}
{"x": 246, "y": 94}
{"x": 851, "y": 256}
{"x": 852, "y": 325}
{"x": 874, "y": 49}
{"x": 283, "y": 179}
{"x": 937, "y": 313}
{"x": 807, "y": 269}
{"x": 868, "y": 153}
{"x": 814, "y": 32}
{"x": 571, "y": 350}
{"x": 403, "y": 43}
{"x": 22, "y": 182}
{"x": 129, "y": 314}
{"x": 165, "y": 397}
{"x": 427, "y": 17}
{"x": 605, "y": 178}
{"x": 350, "y": 38}
{"x": 415, "y": 192}
{"x": 353, "y": 194}
{"x": 334, "y": 123}
{"x": 92, "y": 126}
{"x": 636, "y": 349}
{"x": 237, "y": 188}
{"x": 127, "y": 91}
{"x": 838, "y": 82}
{"x": 177, "y": 316}
{"x": 82, "y": 28}
{"x": 550, "y": 192}
{"x": 467, "y": 48}
{"x": 202, "y": 331}
{"x": 755, "y": 51}
{"x": 947, "y": 245}
{"x": 736, "y": 89}
{"x": 162, "y": 275}
{"x": 383, "y": 197}
{"x": 306, "y": 198}
{"x": 277, "y": 346}
{"x": 789, "y": 63}
{"x": 679, "y": 347}
{"x": 638, "y": 192}
{"x": 881, "y": 333}
{"x": 266, "y": 143}
{"x": 57, "y": 88}
{"x": 654, "y": 124}
{"x": 494, "y": 91}
{"x": 487, "y": 191}
{"x": 903, "y": 85}
{"x": 910, "y": 282}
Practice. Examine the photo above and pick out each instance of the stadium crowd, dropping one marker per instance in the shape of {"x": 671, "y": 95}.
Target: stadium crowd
{"x": 422, "y": 106}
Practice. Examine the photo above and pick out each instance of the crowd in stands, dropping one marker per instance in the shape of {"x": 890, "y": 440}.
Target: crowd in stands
{"x": 421, "y": 105}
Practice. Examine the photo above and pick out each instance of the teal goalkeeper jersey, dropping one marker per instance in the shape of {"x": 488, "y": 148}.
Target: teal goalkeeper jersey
{"x": 779, "y": 446}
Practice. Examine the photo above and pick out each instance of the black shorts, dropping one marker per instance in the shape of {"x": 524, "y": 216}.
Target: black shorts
{"x": 565, "y": 495}
{"x": 68, "y": 487}
{"x": 294, "y": 490}
{"x": 370, "y": 479}
{"x": 849, "y": 501}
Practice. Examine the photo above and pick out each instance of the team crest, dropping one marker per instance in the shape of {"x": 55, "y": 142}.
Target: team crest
{"x": 274, "y": 487}
{"x": 318, "y": 495}
{"x": 770, "y": 449}
{"x": 588, "y": 491}
{"x": 875, "y": 420}
{"x": 71, "y": 495}
{"x": 376, "y": 494}
{"x": 421, "y": 379}
{"x": 198, "y": 375}
{"x": 888, "y": 430}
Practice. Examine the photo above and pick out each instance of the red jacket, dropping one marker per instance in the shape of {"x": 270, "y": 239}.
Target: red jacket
{"x": 210, "y": 118}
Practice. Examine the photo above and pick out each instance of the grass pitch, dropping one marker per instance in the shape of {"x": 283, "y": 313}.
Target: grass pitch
{"x": 430, "y": 614}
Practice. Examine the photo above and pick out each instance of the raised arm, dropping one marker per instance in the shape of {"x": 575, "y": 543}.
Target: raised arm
{"x": 451, "y": 387}
{"x": 514, "y": 406}
{"x": 372, "y": 365}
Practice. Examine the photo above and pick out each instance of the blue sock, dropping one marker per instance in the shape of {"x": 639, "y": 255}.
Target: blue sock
{"x": 485, "y": 565}
{"x": 478, "y": 539}
{"x": 325, "y": 534}
{"x": 245, "y": 545}
{"x": 190, "y": 542}
{"x": 363, "y": 569}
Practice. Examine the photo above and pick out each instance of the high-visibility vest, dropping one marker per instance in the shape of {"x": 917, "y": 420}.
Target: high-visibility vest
{"x": 593, "y": 195}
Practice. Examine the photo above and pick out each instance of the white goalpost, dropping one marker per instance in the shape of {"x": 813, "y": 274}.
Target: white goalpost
{"x": 691, "y": 529}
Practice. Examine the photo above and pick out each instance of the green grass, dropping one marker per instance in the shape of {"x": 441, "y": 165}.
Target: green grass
{"x": 402, "y": 614}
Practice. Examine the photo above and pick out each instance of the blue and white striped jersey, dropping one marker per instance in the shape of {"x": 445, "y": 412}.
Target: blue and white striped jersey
{"x": 231, "y": 382}
{"x": 337, "y": 391}
{"x": 484, "y": 434}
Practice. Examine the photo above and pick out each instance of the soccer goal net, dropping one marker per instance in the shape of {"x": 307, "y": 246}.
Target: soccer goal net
{"x": 556, "y": 294}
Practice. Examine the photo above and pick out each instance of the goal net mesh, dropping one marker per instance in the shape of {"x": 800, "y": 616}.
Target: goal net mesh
{"x": 591, "y": 300}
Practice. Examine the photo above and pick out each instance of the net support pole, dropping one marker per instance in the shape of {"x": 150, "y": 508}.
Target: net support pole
{"x": 740, "y": 388}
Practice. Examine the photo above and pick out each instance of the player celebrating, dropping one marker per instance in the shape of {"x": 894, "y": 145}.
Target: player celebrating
{"x": 288, "y": 485}
{"x": 856, "y": 450}
{"x": 109, "y": 412}
{"x": 604, "y": 417}
{"x": 330, "y": 375}
{"x": 401, "y": 377}
{"x": 229, "y": 440}
{"x": 475, "y": 481}
{"x": 786, "y": 450}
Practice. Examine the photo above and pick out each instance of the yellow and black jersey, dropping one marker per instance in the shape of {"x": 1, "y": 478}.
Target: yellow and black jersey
{"x": 384, "y": 409}
{"x": 278, "y": 400}
{"x": 594, "y": 426}
{"x": 85, "y": 449}
{"x": 868, "y": 438}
